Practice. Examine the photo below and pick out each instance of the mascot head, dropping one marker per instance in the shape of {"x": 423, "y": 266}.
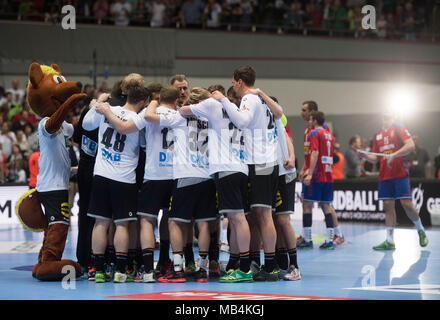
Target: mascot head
{"x": 47, "y": 89}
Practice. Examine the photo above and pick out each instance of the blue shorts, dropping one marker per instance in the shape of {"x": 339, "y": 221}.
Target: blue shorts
{"x": 318, "y": 192}
{"x": 394, "y": 189}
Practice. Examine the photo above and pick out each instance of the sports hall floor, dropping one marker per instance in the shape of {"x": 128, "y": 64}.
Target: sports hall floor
{"x": 352, "y": 271}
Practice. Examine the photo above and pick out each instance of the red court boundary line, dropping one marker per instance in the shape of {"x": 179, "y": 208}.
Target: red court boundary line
{"x": 304, "y": 59}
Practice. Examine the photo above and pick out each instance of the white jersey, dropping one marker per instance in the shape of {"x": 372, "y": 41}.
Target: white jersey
{"x": 54, "y": 162}
{"x": 226, "y": 142}
{"x": 190, "y": 158}
{"x": 118, "y": 154}
{"x": 159, "y": 147}
{"x": 257, "y": 122}
{"x": 282, "y": 151}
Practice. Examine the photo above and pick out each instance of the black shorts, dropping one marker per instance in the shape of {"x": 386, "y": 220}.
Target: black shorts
{"x": 263, "y": 185}
{"x": 232, "y": 190}
{"x": 113, "y": 200}
{"x": 196, "y": 201}
{"x": 154, "y": 196}
{"x": 285, "y": 197}
{"x": 56, "y": 206}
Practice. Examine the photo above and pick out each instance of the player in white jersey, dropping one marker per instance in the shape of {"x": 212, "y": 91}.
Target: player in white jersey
{"x": 227, "y": 165}
{"x": 194, "y": 194}
{"x": 256, "y": 117}
{"x": 284, "y": 206}
{"x": 158, "y": 175}
{"x": 114, "y": 183}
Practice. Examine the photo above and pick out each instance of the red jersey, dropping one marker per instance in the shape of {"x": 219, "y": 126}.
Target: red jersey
{"x": 389, "y": 141}
{"x": 307, "y": 145}
{"x": 322, "y": 141}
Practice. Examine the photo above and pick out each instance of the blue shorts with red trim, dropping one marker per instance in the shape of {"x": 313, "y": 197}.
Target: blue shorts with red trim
{"x": 394, "y": 189}
{"x": 318, "y": 192}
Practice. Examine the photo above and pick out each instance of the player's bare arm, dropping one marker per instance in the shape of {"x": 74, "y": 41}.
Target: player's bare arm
{"x": 290, "y": 162}
{"x": 151, "y": 114}
{"x": 185, "y": 111}
{"x": 123, "y": 127}
{"x": 274, "y": 107}
{"x": 313, "y": 160}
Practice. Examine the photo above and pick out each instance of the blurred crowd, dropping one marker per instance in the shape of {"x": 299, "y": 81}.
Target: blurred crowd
{"x": 395, "y": 19}
{"x": 19, "y": 142}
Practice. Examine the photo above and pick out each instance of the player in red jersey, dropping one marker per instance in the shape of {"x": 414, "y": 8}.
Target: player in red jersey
{"x": 318, "y": 182}
{"x": 396, "y": 143}
{"x": 305, "y": 241}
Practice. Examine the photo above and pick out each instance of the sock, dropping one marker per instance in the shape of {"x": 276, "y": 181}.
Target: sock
{"x": 245, "y": 261}
{"x": 138, "y": 259}
{"x": 293, "y": 257}
{"x": 121, "y": 261}
{"x": 255, "y": 256}
{"x": 329, "y": 224}
{"x": 98, "y": 261}
{"x": 131, "y": 257}
{"x": 390, "y": 235}
{"x": 282, "y": 258}
{"x": 307, "y": 234}
{"x": 189, "y": 254}
{"x": 147, "y": 258}
{"x": 338, "y": 232}
{"x": 214, "y": 249}
{"x": 110, "y": 255}
{"x": 269, "y": 261}
{"x": 233, "y": 259}
{"x": 178, "y": 260}
{"x": 164, "y": 252}
{"x": 418, "y": 224}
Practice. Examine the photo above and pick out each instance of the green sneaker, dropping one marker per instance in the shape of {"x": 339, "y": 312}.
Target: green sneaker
{"x": 100, "y": 277}
{"x": 190, "y": 270}
{"x": 423, "y": 239}
{"x": 130, "y": 276}
{"x": 237, "y": 276}
{"x": 385, "y": 246}
{"x": 327, "y": 246}
{"x": 263, "y": 275}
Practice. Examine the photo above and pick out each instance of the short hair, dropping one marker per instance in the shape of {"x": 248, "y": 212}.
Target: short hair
{"x": 137, "y": 94}
{"x": 132, "y": 80}
{"x": 217, "y": 87}
{"x": 246, "y": 74}
{"x": 353, "y": 139}
{"x": 197, "y": 94}
{"x": 311, "y": 105}
{"x": 169, "y": 94}
{"x": 154, "y": 87}
{"x": 230, "y": 91}
{"x": 318, "y": 116}
{"x": 116, "y": 90}
{"x": 178, "y": 77}
{"x": 274, "y": 99}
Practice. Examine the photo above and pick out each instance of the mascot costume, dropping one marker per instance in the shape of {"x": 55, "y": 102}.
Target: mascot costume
{"x": 51, "y": 97}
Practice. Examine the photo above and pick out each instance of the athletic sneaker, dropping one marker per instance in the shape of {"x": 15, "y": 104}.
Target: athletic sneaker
{"x": 263, "y": 275}
{"x": 147, "y": 277}
{"x": 91, "y": 274}
{"x": 100, "y": 277}
{"x": 173, "y": 277}
{"x": 327, "y": 246}
{"x": 423, "y": 239}
{"x": 234, "y": 276}
{"x": 282, "y": 273}
{"x": 338, "y": 240}
{"x": 120, "y": 277}
{"x": 109, "y": 270}
{"x": 293, "y": 274}
{"x": 385, "y": 246}
{"x": 190, "y": 269}
{"x": 305, "y": 245}
{"x": 254, "y": 267}
{"x": 214, "y": 269}
{"x": 200, "y": 275}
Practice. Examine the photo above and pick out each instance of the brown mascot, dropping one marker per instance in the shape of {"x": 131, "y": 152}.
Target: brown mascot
{"x": 51, "y": 97}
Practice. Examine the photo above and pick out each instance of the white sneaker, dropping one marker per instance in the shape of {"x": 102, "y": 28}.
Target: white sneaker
{"x": 292, "y": 274}
{"x": 148, "y": 277}
{"x": 119, "y": 277}
{"x": 202, "y": 264}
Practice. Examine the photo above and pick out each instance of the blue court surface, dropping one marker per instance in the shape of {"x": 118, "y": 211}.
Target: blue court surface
{"x": 352, "y": 271}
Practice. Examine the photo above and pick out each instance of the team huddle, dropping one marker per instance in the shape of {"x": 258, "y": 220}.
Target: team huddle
{"x": 208, "y": 154}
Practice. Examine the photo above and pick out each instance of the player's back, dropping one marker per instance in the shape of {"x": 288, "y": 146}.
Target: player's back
{"x": 323, "y": 141}
{"x": 118, "y": 154}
